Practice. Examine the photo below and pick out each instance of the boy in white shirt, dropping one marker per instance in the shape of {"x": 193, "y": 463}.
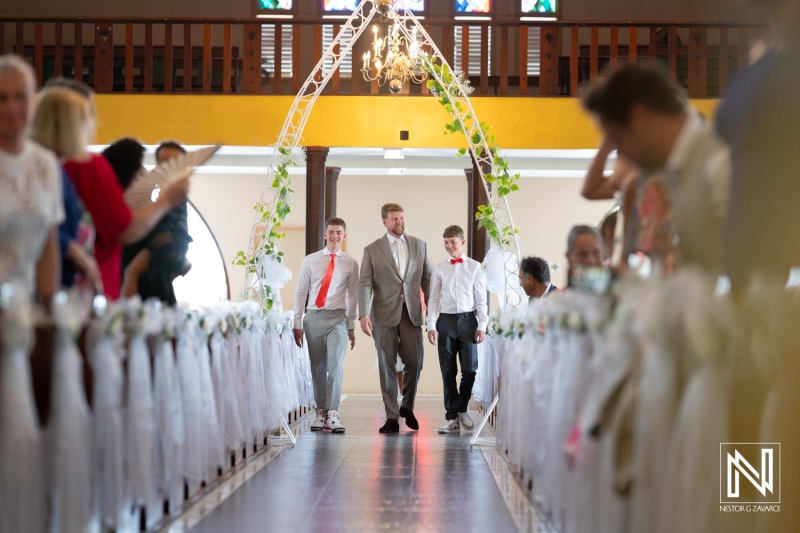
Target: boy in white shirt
{"x": 328, "y": 281}
{"x": 458, "y": 296}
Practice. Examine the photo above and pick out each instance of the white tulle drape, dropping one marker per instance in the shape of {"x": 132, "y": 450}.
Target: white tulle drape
{"x": 22, "y": 506}
{"x": 169, "y": 414}
{"x": 69, "y": 444}
{"x": 626, "y": 399}
{"x": 176, "y": 394}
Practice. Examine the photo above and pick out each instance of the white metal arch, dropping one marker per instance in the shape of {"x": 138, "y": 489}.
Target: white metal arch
{"x": 290, "y": 136}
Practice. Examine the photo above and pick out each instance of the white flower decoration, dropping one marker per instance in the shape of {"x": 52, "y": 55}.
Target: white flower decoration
{"x": 575, "y": 321}
{"x": 115, "y": 325}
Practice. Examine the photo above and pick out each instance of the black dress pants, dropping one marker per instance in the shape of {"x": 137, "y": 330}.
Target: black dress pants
{"x": 457, "y": 348}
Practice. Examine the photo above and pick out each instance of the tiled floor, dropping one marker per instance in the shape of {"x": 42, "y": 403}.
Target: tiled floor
{"x": 363, "y": 481}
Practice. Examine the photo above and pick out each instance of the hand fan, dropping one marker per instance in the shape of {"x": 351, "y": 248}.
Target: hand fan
{"x": 140, "y": 193}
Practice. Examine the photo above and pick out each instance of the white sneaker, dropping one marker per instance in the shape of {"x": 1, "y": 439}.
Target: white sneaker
{"x": 332, "y": 423}
{"x": 319, "y": 423}
{"x": 450, "y": 426}
{"x": 466, "y": 420}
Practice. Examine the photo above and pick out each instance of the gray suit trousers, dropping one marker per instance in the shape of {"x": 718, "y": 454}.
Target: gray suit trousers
{"x": 404, "y": 340}
{"x": 326, "y": 334}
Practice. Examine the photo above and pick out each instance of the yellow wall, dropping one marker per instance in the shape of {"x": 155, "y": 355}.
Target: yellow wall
{"x": 369, "y": 121}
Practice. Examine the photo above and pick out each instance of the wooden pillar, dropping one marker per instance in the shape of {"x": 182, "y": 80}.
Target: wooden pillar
{"x": 548, "y": 61}
{"x": 698, "y": 62}
{"x": 251, "y": 62}
{"x": 478, "y": 239}
{"x": 104, "y": 57}
{"x": 315, "y": 197}
{"x": 331, "y": 180}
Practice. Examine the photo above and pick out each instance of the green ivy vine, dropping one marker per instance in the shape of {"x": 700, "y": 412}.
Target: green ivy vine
{"x": 502, "y": 180}
{"x": 270, "y": 244}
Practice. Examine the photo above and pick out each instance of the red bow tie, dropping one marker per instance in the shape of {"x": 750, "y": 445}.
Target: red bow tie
{"x": 459, "y": 260}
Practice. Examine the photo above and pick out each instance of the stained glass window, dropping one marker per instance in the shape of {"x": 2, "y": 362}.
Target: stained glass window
{"x": 274, "y": 4}
{"x": 539, "y": 6}
{"x": 339, "y": 5}
{"x": 416, "y": 5}
{"x": 474, "y": 6}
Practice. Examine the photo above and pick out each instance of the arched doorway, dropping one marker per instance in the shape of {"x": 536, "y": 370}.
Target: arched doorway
{"x": 207, "y": 282}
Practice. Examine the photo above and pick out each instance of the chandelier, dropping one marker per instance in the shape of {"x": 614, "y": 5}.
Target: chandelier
{"x": 403, "y": 59}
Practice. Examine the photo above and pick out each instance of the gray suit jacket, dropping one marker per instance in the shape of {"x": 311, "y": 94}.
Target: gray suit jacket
{"x": 381, "y": 291}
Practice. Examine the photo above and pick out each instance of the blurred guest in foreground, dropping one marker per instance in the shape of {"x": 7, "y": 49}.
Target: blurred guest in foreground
{"x": 646, "y": 118}
{"x": 61, "y": 125}
{"x": 760, "y": 120}
{"x": 31, "y": 205}
{"x": 152, "y": 263}
{"x": 96, "y": 184}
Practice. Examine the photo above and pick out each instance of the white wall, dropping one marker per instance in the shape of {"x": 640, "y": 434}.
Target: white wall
{"x": 544, "y": 209}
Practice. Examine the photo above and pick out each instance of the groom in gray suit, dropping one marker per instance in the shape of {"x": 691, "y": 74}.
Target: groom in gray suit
{"x": 392, "y": 271}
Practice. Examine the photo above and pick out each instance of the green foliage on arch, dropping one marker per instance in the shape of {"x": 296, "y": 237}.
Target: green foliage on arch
{"x": 503, "y": 182}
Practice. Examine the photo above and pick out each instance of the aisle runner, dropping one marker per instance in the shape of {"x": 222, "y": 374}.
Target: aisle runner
{"x": 235, "y": 479}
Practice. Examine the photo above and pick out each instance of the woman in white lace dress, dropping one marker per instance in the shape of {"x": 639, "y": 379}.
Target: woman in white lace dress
{"x": 30, "y": 211}
{"x": 30, "y": 190}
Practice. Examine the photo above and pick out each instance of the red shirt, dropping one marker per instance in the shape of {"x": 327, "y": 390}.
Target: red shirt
{"x": 97, "y": 185}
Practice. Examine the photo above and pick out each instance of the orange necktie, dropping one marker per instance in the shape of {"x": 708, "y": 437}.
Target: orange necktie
{"x": 326, "y": 283}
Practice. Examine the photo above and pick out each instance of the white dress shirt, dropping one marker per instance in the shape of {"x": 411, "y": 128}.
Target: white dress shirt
{"x": 399, "y": 247}
{"x": 342, "y": 292}
{"x": 458, "y": 288}
{"x": 697, "y": 173}
{"x": 715, "y": 168}
{"x": 532, "y": 299}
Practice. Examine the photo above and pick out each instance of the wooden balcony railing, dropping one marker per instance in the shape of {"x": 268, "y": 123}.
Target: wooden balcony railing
{"x": 225, "y": 56}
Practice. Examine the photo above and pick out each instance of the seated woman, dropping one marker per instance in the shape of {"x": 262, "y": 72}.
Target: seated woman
{"x": 151, "y": 264}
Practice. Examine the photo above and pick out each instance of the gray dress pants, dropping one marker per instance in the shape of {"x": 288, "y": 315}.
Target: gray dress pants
{"x": 404, "y": 340}
{"x": 326, "y": 335}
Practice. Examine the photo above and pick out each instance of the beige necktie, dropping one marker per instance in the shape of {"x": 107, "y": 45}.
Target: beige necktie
{"x": 400, "y": 257}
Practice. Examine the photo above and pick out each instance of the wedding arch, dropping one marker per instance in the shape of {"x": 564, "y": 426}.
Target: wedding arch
{"x": 263, "y": 261}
